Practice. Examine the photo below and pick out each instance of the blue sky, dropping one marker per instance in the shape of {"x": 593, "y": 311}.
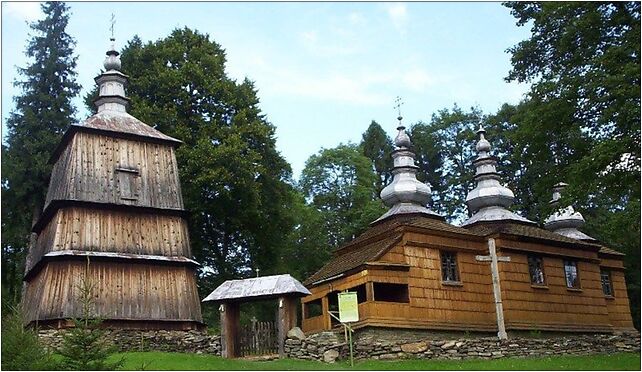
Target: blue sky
{"x": 323, "y": 70}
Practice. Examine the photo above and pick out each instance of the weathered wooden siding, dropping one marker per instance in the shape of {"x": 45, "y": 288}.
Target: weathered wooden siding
{"x": 468, "y": 304}
{"x": 88, "y": 169}
{"x": 112, "y": 231}
{"x": 618, "y": 305}
{"x": 553, "y": 306}
{"x": 123, "y": 291}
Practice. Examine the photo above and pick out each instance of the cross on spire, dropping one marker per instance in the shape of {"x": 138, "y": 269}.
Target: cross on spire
{"x": 111, "y": 27}
{"x": 398, "y": 103}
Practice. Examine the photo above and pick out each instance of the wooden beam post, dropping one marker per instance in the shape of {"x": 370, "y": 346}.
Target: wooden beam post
{"x": 325, "y": 310}
{"x": 369, "y": 291}
{"x": 287, "y": 319}
{"x": 229, "y": 329}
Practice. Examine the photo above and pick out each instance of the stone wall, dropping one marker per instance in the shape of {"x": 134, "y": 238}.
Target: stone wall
{"x": 151, "y": 340}
{"x": 329, "y": 346}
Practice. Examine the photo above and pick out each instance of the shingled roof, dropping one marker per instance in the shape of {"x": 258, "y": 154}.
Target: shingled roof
{"x": 529, "y": 232}
{"x": 354, "y": 258}
{"x": 375, "y": 241}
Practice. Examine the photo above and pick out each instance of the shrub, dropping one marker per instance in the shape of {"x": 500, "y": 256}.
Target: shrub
{"x": 21, "y": 349}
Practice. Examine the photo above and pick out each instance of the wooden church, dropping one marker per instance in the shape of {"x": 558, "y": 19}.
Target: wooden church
{"x": 114, "y": 212}
{"x": 497, "y": 272}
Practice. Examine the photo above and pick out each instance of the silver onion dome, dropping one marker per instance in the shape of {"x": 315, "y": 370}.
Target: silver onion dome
{"x": 565, "y": 221}
{"x": 489, "y": 200}
{"x": 405, "y": 194}
{"x": 112, "y": 61}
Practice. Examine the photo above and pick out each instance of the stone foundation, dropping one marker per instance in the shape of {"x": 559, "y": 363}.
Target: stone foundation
{"x": 329, "y": 346}
{"x": 150, "y": 340}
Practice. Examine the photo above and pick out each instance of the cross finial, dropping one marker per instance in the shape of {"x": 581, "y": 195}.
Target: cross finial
{"x": 398, "y": 103}
{"x": 257, "y": 271}
{"x": 113, "y": 22}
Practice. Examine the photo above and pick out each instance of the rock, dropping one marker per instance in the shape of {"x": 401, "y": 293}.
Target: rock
{"x": 330, "y": 356}
{"x": 296, "y": 333}
{"x": 388, "y": 356}
{"x": 448, "y": 345}
{"x": 415, "y": 347}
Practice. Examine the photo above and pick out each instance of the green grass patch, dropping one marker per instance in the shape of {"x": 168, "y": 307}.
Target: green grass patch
{"x": 184, "y": 361}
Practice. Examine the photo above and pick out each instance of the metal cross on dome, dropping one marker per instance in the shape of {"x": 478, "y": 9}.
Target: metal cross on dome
{"x": 113, "y": 22}
{"x": 398, "y": 102}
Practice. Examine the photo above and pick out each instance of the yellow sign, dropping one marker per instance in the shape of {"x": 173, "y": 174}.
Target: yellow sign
{"x": 348, "y": 307}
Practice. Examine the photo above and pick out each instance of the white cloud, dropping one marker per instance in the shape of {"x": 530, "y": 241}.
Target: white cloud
{"x": 319, "y": 47}
{"x": 28, "y": 11}
{"x": 357, "y": 19}
{"x": 417, "y": 79}
{"x": 398, "y": 14}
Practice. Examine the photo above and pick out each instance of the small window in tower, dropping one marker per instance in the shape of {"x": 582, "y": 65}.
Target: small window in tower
{"x": 607, "y": 284}
{"x": 128, "y": 183}
{"x": 536, "y": 270}
{"x": 571, "y": 273}
{"x": 449, "y": 271}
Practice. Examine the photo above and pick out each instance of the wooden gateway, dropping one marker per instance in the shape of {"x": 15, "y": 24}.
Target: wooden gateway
{"x": 497, "y": 272}
{"x": 114, "y": 200}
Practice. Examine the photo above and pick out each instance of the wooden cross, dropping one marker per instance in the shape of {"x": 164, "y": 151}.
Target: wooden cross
{"x": 494, "y": 268}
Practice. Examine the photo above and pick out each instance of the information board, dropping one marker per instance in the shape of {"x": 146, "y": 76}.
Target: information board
{"x": 348, "y": 307}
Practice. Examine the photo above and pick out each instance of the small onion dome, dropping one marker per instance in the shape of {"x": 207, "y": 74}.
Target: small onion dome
{"x": 482, "y": 145}
{"x": 112, "y": 61}
{"x": 565, "y": 221}
{"x": 402, "y": 139}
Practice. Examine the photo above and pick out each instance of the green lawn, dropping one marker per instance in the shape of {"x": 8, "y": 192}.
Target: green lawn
{"x": 181, "y": 361}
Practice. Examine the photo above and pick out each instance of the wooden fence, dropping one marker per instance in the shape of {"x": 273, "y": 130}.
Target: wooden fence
{"x": 258, "y": 338}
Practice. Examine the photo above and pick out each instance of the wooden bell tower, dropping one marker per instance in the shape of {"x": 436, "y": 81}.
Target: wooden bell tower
{"x": 114, "y": 199}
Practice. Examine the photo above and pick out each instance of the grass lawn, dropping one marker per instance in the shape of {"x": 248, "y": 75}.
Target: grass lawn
{"x": 181, "y": 361}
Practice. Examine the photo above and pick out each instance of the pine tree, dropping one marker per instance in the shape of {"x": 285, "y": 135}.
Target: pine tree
{"x": 43, "y": 111}
{"x": 85, "y": 347}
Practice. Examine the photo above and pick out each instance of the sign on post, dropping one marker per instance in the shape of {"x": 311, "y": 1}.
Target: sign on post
{"x": 348, "y": 307}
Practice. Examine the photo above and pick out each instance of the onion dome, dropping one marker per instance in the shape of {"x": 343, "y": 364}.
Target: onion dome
{"x": 111, "y": 83}
{"x": 489, "y": 200}
{"x": 405, "y": 194}
{"x": 565, "y": 221}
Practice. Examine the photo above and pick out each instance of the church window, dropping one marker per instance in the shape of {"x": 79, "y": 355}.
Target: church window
{"x": 449, "y": 272}
{"x": 536, "y": 270}
{"x": 571, "y": 273}
{"x": 128, "y": 183}
{"x": 607, "y": 284}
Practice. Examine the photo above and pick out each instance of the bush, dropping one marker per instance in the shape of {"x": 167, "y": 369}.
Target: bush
{"x": 21, "y": 349}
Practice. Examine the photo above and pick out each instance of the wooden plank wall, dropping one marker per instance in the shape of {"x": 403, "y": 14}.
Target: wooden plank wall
{"x": 618, "y": 305}
{"x": 554, "y": 306}
{"x": 86, "y": 170}
{"x": 112, "y": 231}
{"x": 432, "y": 303}
{"x": 123, "y": 291}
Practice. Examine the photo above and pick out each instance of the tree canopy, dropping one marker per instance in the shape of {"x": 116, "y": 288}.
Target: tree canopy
{"x": 43, "y": 111}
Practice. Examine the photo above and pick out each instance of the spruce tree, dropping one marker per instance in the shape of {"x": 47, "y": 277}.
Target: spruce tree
{"x": 42, "y": 113}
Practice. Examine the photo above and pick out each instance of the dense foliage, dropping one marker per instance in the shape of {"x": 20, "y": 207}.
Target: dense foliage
{"x": 42, "y": 112}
